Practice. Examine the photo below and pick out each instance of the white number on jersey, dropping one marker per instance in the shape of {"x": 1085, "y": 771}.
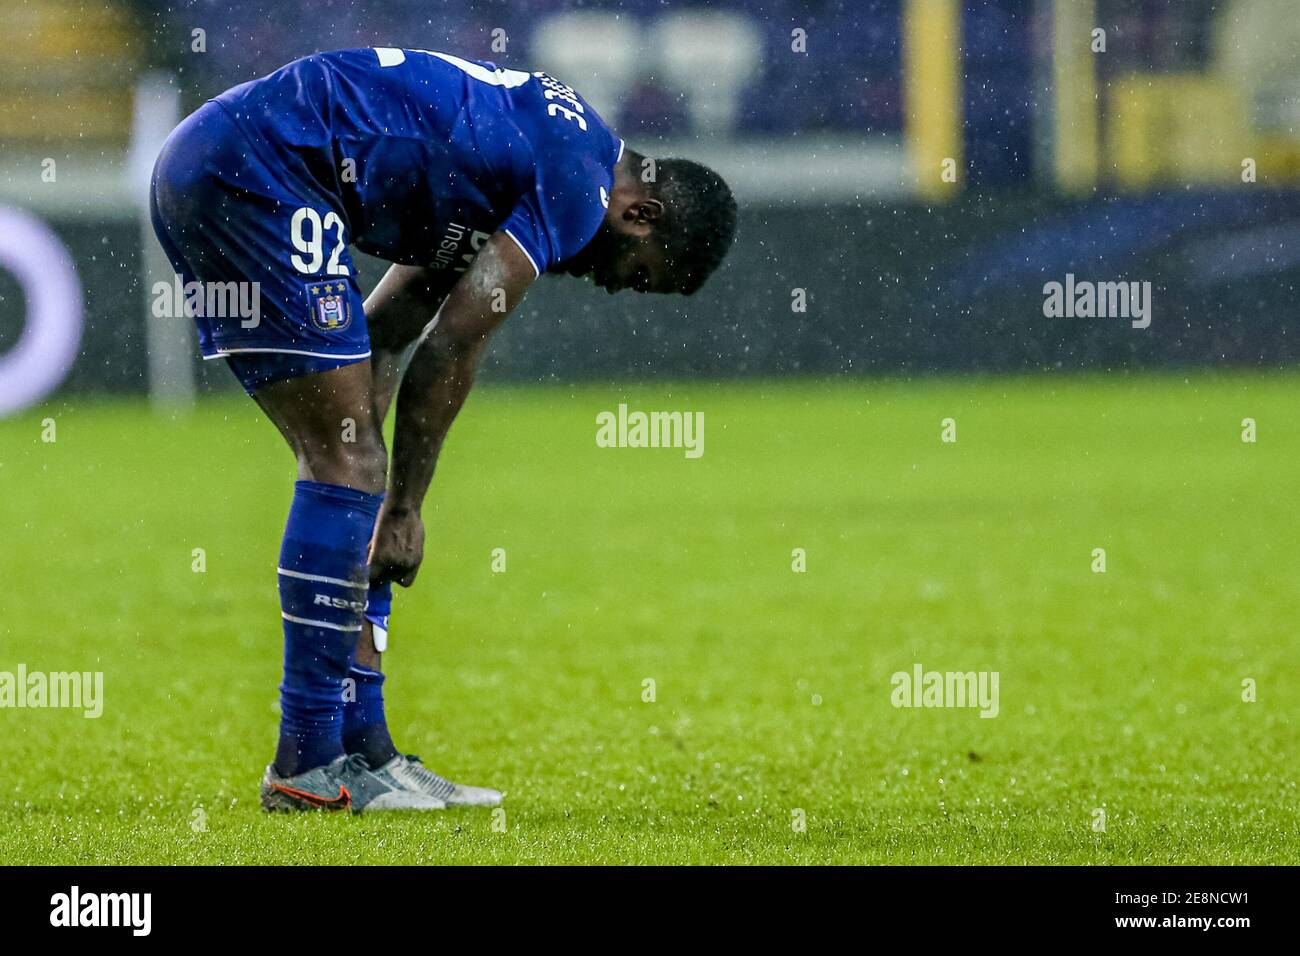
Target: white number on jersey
{"x": 391, "y": 56}
{"x": 308, "y": 235}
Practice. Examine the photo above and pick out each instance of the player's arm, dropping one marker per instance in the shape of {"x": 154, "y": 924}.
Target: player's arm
{"x": 397, "y": 312}
{"x": 436, "y": 383}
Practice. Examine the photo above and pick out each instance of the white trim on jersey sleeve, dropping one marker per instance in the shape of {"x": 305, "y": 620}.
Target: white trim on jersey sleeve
{"x": 527, "y": 255}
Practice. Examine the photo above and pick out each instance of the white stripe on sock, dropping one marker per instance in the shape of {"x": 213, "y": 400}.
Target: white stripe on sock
{"x": 332, "y": 627}
{"x": 320, "y": 577}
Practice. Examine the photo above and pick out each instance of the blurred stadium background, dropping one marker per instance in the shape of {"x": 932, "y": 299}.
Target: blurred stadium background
{"x": 832, "y": 118}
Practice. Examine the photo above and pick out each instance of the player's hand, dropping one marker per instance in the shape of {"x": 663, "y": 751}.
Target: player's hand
{"x": 397, "y": 548}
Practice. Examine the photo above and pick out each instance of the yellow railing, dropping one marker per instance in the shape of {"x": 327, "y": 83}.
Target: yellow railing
{"x": 65, "y": 71}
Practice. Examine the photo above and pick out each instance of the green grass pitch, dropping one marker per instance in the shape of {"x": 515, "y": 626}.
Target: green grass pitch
{"x": 1119, "y": 691}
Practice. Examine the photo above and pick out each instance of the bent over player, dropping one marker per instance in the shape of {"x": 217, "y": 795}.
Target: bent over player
{"x": 473, "y": 180}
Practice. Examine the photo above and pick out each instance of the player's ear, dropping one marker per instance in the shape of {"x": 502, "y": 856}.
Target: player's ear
{"x": 644, "y": 212}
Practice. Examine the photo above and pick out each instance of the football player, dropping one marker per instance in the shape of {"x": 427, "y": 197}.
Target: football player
{"x": 473, "y": 181}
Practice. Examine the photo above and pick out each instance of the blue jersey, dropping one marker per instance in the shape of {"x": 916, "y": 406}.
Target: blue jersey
{"x": 426, "y": 154}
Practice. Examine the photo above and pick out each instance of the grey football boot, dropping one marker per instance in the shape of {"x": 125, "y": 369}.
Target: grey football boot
{"x": 346, "y": 784}
{"x": 407, "y": 770}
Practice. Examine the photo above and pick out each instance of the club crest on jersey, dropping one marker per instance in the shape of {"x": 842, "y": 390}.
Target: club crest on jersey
{"x": 331, "y": 308}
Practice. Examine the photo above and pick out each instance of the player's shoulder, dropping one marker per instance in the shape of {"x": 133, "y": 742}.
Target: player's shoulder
{"x": 570, "y": 138}
{"x": 573, "y": 155}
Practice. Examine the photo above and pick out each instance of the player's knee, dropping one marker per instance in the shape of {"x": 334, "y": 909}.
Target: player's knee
{"x": 361, "y": 462}
{"x": 369, "y": 460}
{"x": 372, "y": 461}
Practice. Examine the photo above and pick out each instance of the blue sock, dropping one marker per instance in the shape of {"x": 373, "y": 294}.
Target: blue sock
{"x": 322, "y": 599}
{"x": 365, "y": 728}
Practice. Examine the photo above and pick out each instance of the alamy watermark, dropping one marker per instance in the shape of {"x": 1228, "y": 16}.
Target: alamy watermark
{"x": 220, "y": 300}
{"x": 1082, "y": 299}
{"x": 922, "y": 688}
{"x": 633, "y": 429}
{"x": 75, "y": 690}
{"x": 130, "y": 910}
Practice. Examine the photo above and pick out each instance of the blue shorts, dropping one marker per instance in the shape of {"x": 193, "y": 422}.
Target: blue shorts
{"x": 260, "y": 254}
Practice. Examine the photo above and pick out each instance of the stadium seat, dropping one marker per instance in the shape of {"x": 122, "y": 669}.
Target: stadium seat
{"x": 711, "y": 56}
{"x": 62, "y": 76}
{"x": 594, "y": 52}
{"x": 1255, "y": 43}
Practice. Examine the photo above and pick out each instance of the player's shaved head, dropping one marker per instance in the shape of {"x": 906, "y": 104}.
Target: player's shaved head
{"x": 670, "y": 224}
{"x": 698, "y": 224}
